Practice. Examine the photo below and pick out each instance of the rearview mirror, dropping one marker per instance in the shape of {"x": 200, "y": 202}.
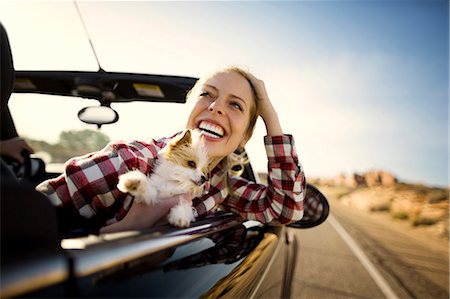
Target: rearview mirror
{"x": 316, "y": 208}
{"x": 98, "y": 115}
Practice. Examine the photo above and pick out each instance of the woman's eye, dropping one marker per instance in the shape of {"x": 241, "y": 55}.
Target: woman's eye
{"x": 236, "y": 105}
{"x": 205, "y": 94}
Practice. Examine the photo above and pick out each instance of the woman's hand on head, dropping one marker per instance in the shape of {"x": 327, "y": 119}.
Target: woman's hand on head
{"x": 142, "y": 215}
{"x": 264, "y": 104}
{"x": 265, "y": 107}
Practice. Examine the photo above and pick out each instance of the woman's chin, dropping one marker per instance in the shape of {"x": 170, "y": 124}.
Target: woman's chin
{"x": 215, "y": 149}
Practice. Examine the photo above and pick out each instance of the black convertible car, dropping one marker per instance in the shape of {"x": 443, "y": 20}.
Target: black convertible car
{"x": 220, "y": 256}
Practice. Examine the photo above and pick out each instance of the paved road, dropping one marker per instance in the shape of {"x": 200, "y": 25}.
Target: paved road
{"x": 399, "y": 264}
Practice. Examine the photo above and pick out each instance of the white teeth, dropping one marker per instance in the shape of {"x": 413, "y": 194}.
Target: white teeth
{"x": 211, "y": 130}
{"x": 206, "y": 133}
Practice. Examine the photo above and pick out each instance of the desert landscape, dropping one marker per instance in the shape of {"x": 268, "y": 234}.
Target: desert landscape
{"x": 424, "y": 209}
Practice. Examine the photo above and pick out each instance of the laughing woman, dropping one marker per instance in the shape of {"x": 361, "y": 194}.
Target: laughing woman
{"x": 227, "y": 105}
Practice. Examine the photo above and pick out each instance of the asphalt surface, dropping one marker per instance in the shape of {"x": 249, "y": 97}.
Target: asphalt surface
{"x": 392, "y": 261}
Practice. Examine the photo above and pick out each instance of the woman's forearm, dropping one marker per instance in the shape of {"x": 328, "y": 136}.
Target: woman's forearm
{"x": 273, "y": 126}
{"x": 142, "y": 215}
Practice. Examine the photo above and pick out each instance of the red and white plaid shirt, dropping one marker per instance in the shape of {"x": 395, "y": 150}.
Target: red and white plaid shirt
{"x": 89, "y": 184}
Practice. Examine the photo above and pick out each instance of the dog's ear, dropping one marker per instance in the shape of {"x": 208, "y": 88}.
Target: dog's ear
{"x": 183, "y": 138}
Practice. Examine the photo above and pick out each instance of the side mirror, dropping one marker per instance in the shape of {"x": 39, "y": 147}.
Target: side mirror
{"x": 98, "y": 115}
{"x": 316, "y": 208}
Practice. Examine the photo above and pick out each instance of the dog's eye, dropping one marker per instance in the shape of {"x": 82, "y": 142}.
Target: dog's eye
{"x": 191, "y": 164}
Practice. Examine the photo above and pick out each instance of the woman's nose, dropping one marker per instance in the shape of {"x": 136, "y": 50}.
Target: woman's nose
{"x": 216, "y": 107}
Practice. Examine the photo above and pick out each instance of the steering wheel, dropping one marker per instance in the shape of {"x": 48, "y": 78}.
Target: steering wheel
{"x": 25, "y": 171}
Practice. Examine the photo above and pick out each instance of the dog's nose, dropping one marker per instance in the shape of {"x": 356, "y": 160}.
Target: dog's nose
{"x": 203, "y": 179}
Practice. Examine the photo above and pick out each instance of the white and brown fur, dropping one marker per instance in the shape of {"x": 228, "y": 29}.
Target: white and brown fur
{"x": 181, "y": 167}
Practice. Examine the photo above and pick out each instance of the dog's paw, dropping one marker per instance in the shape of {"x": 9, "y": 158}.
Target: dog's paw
{"x": 181, "y": 215}
{"x": 132, "y": 182}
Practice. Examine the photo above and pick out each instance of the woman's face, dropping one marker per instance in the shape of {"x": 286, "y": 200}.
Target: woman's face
{"x": 222, "y": 112}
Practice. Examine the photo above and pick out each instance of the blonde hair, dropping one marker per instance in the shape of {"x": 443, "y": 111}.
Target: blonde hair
{"x": 238, "y": 157}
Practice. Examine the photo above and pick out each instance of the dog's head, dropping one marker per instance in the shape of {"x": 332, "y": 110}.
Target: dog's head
{"x": 187, "y": 160}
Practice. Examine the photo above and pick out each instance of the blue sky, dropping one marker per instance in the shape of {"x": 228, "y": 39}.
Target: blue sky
{"x": 360, "y": 84}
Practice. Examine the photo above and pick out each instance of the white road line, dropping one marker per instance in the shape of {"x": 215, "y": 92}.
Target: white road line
{"x": 373, "y": 272}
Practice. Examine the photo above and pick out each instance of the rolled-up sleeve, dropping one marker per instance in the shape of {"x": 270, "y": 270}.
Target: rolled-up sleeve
{"x": 280, "y": 201}
{"x": 89, "y": 182}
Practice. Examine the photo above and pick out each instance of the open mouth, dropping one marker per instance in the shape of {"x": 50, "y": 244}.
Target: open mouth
{"x": 211, "y": 130}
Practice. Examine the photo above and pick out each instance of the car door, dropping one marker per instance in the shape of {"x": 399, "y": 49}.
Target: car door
{"x": 222, "y": 256}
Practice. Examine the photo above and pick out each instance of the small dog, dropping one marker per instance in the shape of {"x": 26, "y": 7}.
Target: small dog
{"x": 181, "y": 167}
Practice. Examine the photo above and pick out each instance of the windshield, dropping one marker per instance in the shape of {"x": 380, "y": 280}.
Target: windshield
{"x": 51, "y": 125}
